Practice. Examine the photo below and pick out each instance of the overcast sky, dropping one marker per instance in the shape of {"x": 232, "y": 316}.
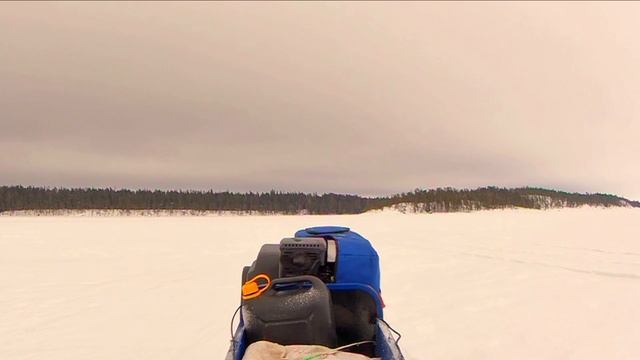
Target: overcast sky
{"x": 367, "y": 98}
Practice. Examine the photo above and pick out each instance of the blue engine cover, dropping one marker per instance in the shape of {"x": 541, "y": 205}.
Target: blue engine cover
{"x": 357, "y": 260}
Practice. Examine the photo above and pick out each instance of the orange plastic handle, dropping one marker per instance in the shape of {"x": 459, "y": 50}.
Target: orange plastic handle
{"x": 251, "y": 289}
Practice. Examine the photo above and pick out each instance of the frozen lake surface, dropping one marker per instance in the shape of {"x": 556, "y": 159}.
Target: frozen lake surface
{"x": 513, "y": 284}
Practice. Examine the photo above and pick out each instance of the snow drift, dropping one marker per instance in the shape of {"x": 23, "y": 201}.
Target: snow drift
{"x": 505, "y": 284}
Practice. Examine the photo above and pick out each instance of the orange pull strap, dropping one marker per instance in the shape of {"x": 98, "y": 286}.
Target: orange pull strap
{"x": 252, "y": 289}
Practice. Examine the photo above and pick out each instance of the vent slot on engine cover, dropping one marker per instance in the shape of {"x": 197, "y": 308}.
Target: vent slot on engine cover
{"x": 305, "y": 256}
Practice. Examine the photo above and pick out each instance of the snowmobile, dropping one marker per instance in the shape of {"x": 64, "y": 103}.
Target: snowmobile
{"x": 320, "y": 287}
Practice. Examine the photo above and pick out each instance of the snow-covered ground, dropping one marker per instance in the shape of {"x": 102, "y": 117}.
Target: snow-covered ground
{"x": 512, "y": 284}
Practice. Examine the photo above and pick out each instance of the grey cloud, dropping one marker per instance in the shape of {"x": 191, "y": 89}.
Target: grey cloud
{"x": 350, "y": 97}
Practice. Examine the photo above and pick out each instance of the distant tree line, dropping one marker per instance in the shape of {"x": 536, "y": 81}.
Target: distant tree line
{"x": 433, "y": 200}
{"x": 451, "y": 200}
{"x": 37, "y": 198}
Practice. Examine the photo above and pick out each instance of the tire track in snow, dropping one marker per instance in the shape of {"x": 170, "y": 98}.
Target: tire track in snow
{"x": 554, "y": 266}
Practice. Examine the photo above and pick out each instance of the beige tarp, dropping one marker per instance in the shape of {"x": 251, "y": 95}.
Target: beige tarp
{"x": 265, "y": 350}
